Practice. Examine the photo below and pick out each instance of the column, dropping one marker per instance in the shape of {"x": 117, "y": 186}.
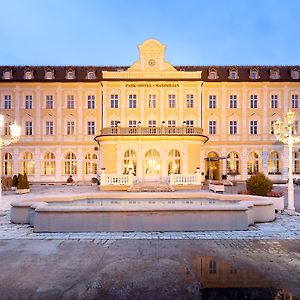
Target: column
{"x": 59, "y": 120}
{"x": 37, "y": 109}
{"x": 243, "y": 162}
{"x": 264, "y": 160}
{"x": 265, "y": 126}
{"x": 80, "y": 159}
{"x": 58, "y": 168}
{"x": 122, "y": 105}
{"x": 223, "y": 103}
{"x": 81, "y": 106}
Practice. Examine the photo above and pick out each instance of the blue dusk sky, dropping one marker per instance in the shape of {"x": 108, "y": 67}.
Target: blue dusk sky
{"x": 107, "y": 32}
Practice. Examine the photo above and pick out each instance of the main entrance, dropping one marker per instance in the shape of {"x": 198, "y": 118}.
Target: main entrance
{"x": 152, "y": 165}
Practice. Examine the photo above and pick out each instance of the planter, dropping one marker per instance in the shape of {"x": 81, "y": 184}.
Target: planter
{"x": 22, "y": 191}
{"x": 13, "y": 188}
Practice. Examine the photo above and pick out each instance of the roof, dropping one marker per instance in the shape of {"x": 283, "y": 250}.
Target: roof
{"x": 81, "y": 73}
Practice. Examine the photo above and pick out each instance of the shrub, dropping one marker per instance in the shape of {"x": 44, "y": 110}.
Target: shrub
{"x": 70, "y": 179}
{"x": 20, "y": 182}
{"x": 25, "y": 182}
{"x": 15, "y": 181}
{"x": 94, "y": 180}
{"x": 259, "y": 185}
{"x": 275, "y": 194}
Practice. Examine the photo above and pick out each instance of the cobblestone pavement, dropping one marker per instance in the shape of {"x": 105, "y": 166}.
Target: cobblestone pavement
{"x": 284, "y": 227}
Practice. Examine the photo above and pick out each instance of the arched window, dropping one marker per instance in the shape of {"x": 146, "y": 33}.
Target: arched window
{"x": 212, "y": 165}
{"x": 129, "y": 161}
{"x": 253, "y": 163}
{"x": 273, "y": 163}
{"x": 48, "y": 167}
{"x": 233, "y": 163}
{"x": 70, "y": 164}
{"x": 297, "y": 162}
{"x": 91, "y": 163}
{"x": 7, "y": 164}
{"x": 152, "y": 162}
{"x": 28, "y": 164}
{"x": 174, "y": 162}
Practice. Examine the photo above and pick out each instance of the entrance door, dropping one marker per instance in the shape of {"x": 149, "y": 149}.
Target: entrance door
{"x": 152, "y": 165}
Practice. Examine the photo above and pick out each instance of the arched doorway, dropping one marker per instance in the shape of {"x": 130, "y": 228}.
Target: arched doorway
{"x": 174, "y": 162}
{"x": 152, "y": 165}
{"x": 129, "y": 162}
{"x": 212, "y": 166}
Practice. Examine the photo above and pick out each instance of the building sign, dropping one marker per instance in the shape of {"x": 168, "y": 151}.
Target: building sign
{"x": 151, "y": 85}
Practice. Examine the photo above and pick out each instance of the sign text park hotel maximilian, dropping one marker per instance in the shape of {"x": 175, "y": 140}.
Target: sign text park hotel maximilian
{"x": 151, "y": 120}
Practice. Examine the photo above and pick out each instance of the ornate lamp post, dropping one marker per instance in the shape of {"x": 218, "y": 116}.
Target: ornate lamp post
{"x": 15, "y": 131}
{"x": 284, "y": 133}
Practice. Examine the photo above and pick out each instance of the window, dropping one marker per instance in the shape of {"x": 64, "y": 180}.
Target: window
{"x": 233, "y": 127}
{"x": 49, "y": 102}
{"x": 70, "y": 74}
{"x": 273, "y": 163}
{"x": 212, "y": 267}
{"x": 253, "y": 127}
{"x": 70, "y": 127}
{"x": 174, "y": 162}
{"x": 132, "y": 123}
{"x": 274, "y": 101}
{"x": 272, "y": 129}
{"x": 212, "y": 101}
{"x": 295, "y": 74}
{"x": 189, "y": 100}
{"x": 48, "y": 164}
{"x": 70, "y": 164}
{"x": 171, "y": 123}
{"x": 90, "y": 127}
{"x": 28, "y": 128}
{"x": 152, "y": 123}
{"x": 253, "y": 101}
{"x": 70, "y": 102}
{"x": 189, "y": 123}
{"x": 28, "y": 75}
{"x": 7, "y": 164}
{"x": 7, "y": 102}
{"x": 254, "y": 74}
{"x": 49, "y": 128}
{"x": 114, "y": 101}
{"x": 91, "y": 102}
{"x": 28, "y": 163}
{"x": 233, "y": 74}
{"x": 253, "y": 163}
{"x": 274, "y": 74}
{"x": 172, "y": 101}
{"x": 296, "y": 155}
{"x": 28, "y": 101}
{"x": 233, "y": 164}
{"x": 212, "y": 74}
{"x": 49, "y": 74}
{"x": 129, "y": 162}
{"x": 295, "y": 101}
{"x": 91, "y": 163}
{"x": 152, "y": 101}
{"x": 7, "y": 74}
{"x": 91, "y": 75}
{"x": 114, "y": 123}
{"x": 7, "y": 128}
{"x": 295, "y": 127}
{"x": 132, "y": 101}
{"x": 212, "y": 127}
{"x": 233, "y": 101}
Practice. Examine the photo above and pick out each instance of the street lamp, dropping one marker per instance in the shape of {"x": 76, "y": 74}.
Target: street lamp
{"x": 15, "y": 132}
{"x": 284, "y": 133}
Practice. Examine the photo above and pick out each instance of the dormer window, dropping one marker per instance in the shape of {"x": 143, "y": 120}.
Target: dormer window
{"x": 295, "y": 73}
{"x": 28, "y": 74}
{"x": 233, "y": 74}
{"x": 212, "y": 74}
{"x": 91, "y": 74}
{"x": 254, "y": 74}
{"x": 70, "y": 74}
{"x": 49, "y": 74}
{"x": 7, "y": 74}
{"x": 274, "y": 74}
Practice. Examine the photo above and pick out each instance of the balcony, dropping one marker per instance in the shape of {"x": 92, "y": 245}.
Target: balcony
{"x": 135, "y": 131}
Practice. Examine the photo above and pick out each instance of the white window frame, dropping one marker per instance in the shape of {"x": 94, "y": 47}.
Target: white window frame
{"x": 114, "y": 101}
{"x": 132, "y": 100}
{"x": 212, "y": 101}
{"x": 91, "y": 127}
{"x": 274, "y": 101}
{"x": 232, "y": 101}
{"x": 253, "y": 101}
{"x": 295, "y": 100}
{"x": 212, "y": 127}
{"x": 49, "y": 102}
{"x": 91, "y": 102}
{"x": 232, "y": 127}
{"x": 253, "y": 127}
{"x": 190, "y": 100}
{"x": 172, "y": 101}
{"x": 70, "y": 130}
{"x": 49, "y": 128}
{"x": 7, "y": 102}
{"x": 28, "y": 128}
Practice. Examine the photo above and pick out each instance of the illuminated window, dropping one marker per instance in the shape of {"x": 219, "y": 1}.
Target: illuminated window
{"x": 7, "y": 128}
{"x": 7, "y": 164}
{"x": 253, "y": 163}
{"x": 91, "y": 163}
{"x": 233, "y": 163}
{"x": 70, "y": 164}
{"x": 28, "y": 164}
{"x": 129, "y": 162}
{"x": 174, "y": 162}
{"x": 273, "y": 163}
{"x": 48, "y": 164}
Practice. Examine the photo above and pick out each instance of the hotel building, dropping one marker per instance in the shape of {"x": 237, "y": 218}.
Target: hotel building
{"x": 151, "y": 120}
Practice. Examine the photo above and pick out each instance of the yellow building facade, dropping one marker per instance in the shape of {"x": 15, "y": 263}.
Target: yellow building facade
{"x": 151, "y": 120}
